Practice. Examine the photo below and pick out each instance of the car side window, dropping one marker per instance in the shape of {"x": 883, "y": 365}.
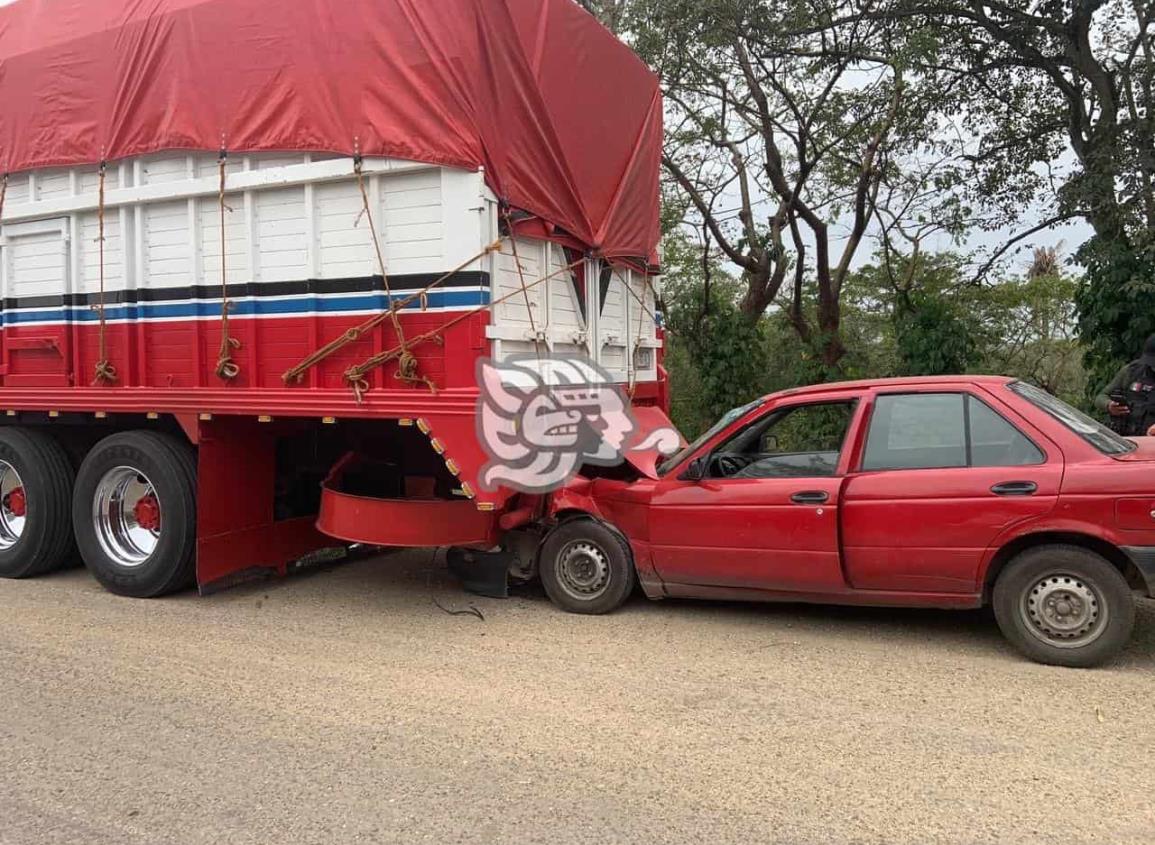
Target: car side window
{"x": 997, "y": 443}
{"x": 802, "y": 441}
{"x": 917, "y": 431}
{"x": 941, "y": 431}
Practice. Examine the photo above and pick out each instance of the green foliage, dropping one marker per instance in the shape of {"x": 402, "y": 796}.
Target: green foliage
{"x": 1031, "y": 333}
{"x": 1116, "y": 305}
{"x": 730, "y": 355}
{"x": 908, "y": 317}
{"x": 931, "y": 321}
{"x": 990, "y": 116}
{"x": 817, "y": 428}
{"x": 717, "y": 360}
{"x": 935, "y": 336}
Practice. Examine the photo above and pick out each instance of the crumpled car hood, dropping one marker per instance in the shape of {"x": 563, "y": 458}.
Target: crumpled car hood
{"x": 654, "y": 433}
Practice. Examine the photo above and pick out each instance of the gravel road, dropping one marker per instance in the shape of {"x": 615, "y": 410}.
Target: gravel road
{"x": 344, "y": 706}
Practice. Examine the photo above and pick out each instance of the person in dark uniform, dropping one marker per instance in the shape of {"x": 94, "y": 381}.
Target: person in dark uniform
{"x": 1129, "y": 399}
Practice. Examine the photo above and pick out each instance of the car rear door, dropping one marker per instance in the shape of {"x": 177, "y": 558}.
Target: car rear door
{"x": 941, "y": 474}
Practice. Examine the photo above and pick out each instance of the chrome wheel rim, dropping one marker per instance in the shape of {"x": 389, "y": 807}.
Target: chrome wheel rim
{"x": 583, "y": 570}
{"x": 1064, "y": 611}
{"x": 13, "y": 506}
{"x": 126, "y": 514}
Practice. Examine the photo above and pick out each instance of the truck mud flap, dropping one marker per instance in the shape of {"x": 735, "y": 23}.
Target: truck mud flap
{"x": 481, "y": 573}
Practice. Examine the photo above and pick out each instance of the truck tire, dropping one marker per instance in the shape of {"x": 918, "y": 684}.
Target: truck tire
{"x": 134, "y": 514}
{"x": 586, "y": 567}
{"x": 35, "y": 494}
{"x": 1064, "y": 605}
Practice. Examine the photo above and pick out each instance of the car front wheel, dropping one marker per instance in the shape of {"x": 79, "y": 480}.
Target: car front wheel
{"x": 586, "y": 567}
{"x": 1064, "y": 605}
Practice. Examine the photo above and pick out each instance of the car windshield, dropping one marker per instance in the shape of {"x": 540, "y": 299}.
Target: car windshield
{"x": 1094, "y": 432}
{"x": 727, "y": 418}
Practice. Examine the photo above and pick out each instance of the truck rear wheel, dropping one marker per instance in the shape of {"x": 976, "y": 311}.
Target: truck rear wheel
{"x": 586, "y": 567}
{"x": 1064, "y": 605}
{"x": 134, "y": 514}
{"x": 35, "y": 491}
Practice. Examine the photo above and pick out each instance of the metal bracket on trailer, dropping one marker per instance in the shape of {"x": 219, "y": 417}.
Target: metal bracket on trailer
{"x": 481, "y": 573}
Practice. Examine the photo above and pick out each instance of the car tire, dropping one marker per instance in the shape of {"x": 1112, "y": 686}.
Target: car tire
{"x": 134, "y": 514}
{"x": 1064, "y": 606}
{"x": 586, "y": 567}
{"x": 36, "y": 480}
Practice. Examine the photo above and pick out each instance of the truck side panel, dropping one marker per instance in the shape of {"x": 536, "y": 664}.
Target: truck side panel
{"x": 299, "y": 263}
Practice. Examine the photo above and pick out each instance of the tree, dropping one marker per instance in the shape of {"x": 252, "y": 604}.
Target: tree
{"x": 936, "y": 321}
{"x": 1054, "y": 101}
{"x": 784, "y": 150}
{"x": 716, "y": 360}
{"x": 1033, "y": 324}
{"x": 609, "y": 12}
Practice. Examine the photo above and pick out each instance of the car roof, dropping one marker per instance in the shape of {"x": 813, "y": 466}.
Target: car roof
{"x": 908, "y": 381}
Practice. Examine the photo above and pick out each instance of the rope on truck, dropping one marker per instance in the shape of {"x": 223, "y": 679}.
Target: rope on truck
{"x": 356, "y": 376}
{"x": 633, "y": 365}
{"x": 638, "y": 338}
{"x": 105, "y": 372}
{"x": 295, "y": 374}
{"x": 524, "y": 289}
{"x": 407, "y": 361}
{"x": 227, "y": 368}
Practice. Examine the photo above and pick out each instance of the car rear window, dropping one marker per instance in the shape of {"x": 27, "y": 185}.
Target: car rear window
{"x": 1094, "y": 432}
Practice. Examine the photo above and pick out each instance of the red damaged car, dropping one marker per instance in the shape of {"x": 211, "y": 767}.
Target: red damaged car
{"x": 949, "y": 492}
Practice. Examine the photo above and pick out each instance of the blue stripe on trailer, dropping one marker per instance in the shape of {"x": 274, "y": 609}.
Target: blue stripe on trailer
{"x": 439, "y": 299}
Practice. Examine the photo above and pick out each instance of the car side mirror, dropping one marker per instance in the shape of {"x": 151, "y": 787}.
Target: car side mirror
{"x": 696, "y": 470}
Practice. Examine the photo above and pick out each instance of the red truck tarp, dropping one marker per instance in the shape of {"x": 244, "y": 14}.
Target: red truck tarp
{"x": 564, "y": 118}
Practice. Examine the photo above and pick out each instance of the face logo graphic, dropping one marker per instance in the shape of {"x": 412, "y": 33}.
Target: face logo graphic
{"x": 541, "y": 420}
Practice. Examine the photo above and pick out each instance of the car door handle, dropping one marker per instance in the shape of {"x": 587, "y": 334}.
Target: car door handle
{"x": 810, "y": 497}
{"x": 1015, "y": 488}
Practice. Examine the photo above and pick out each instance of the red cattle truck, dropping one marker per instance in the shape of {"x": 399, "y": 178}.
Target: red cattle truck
{"x": 252, "y": 252}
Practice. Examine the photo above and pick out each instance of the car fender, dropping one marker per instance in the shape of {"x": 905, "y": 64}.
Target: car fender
{"x": 577, "y": 501}
{"x": 1049, "y": 524}
{"x": 576, "y": 495}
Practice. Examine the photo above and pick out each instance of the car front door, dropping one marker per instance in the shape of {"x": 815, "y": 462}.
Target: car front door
{"x": 764, "y": 512}
{"x": 941, "y": 475}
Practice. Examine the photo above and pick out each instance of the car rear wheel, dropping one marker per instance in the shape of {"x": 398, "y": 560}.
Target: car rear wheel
{"x": 134, "y": 514}
{"x": 586, "y": 567}
{"x": 1064, "y": 605}
{"x": 35, "y": 490}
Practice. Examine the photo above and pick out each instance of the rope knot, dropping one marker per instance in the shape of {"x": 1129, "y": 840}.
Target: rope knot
{"x": 407, "y": 366}
{"x": 105, "y": 373}
{"x": 359, "y": 383}
{"x": 227, "y": 368}
{"x": 407, "y": 371}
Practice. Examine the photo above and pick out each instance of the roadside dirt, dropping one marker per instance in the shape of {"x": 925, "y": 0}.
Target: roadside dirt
{"x": 344, "y": 706}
